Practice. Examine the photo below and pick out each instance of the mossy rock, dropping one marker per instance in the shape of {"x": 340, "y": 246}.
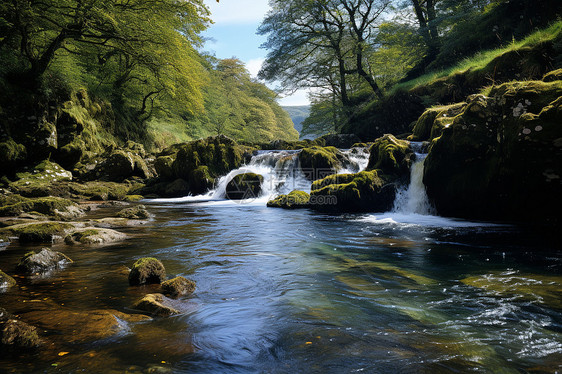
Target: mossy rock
{"x": 42, "y": 262}
{"x": 94, "y": 236}
{"x": 18, "y": 336}
{"x": 41, "y": 180}
{"x": 244, "y": 186}
{"x": 6, "y": 281}
{"x": 101, "y": 190}
{"x": 163, "y": 166}
{"x": 119, "y": 165}
{"x": 178, "y": 286}
{"x": 135, "y": 212}
{"x": 147, "y": 270}
{"x": 361, "y": 192}
{"x": 432, "y": 122}
{"x": 12, "y": 155}
{"x": 156, "y": 304}
{"x": 391, "y": 155}
{"x": 49, "y": 206}
{"x": 501, "y": 156}
{"x": 44, "y": 232}
{"x": 218, "y": 154}
{"x": 294, "y": 200}
{"x": 318, "y": 162}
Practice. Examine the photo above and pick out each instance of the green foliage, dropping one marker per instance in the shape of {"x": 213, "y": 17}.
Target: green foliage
{"x": 294, "y": 200}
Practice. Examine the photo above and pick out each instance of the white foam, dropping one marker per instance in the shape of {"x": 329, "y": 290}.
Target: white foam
{"x": 421, "y": 220}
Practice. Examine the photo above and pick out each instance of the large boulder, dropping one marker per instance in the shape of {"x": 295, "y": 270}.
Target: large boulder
{"x": 134, "y": 212}
{"x": 318, "y": 162}
{"x": 41, "y": 232}
{"x": 244, "y": 186}
{"x": 362, "y": 192}
{"x": 91, "y": 235}
{"x": 293, "y": 200}
{"x": 50, "y": 206}
{"x": 42, "y": 262}
{"x": 391, "y": 156}
{"x": 201, "y": 161}
{"x": 147, "y": 270}
{"x": 12, "y": 155}
{"x": 156, "y": 305}
{"x": 42, "y": 180}
{"x": 118, "y": 166}
{"x": 501, "y": 158}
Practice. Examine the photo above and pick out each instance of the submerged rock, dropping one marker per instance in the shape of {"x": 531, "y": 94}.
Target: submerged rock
{"x": 17, "y": 335}
{"x": 6, "y": 281}
{"x": 135, "y": 212}
{"x": 361, "y": 192}
{"x": 74, "y": 326}
{"x": 156, "y": 305}
{"x": 42, "y": 262}
{"x": 178, "y": 286}
{"x": 244, "y": 186}
{"x": 294, "y": 200}
{"x": 501, "y": 158}
{"x": 147, "y": 270}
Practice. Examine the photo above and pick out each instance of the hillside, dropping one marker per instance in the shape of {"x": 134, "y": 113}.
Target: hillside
{"x": 298, "y": 114}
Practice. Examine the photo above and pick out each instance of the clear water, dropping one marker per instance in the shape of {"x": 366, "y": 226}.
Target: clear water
{"x": 294, "y": 291}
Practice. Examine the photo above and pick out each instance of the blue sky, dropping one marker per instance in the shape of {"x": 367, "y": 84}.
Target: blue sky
{"x": 234, "y": 35}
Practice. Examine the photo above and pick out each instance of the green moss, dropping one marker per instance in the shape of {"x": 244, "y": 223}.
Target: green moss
{"x": 294, "y": 200}
{"x": 178, "y": 286}
{"x": 317, "y": 162}
{"x": 40, "y": 232}
{"x": 133, "y": 198}
{"x": 50, "y": 206}
{"x": 555, "y": 75}
{"x": 364, "y": 191}
{"x": 102, "y": 190}
{"x": 390, "y": 155}
{"x": 163, "y": 166}
{"x": 135, "y": 212}
{"x": 432, "y": 122}
{"x": 12, "y": 154}
{"x": 147, "y": 270}
{"x": 42, "y": 180}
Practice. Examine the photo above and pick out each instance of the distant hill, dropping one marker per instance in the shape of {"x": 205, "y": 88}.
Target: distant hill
{"x": 298, "y": 115}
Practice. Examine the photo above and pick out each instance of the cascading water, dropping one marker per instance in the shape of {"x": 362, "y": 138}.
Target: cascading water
{"x": 412, "y": 199}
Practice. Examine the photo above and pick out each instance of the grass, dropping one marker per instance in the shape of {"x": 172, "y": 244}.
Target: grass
{"x": 481, "y": 59}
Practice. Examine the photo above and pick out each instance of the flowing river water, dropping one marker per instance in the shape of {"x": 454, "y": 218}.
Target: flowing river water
{"x": 296, "y": 291}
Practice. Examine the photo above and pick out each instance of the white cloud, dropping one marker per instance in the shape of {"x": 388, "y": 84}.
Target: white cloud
{"x": 254, "y": 66}
{"x": 237, "y": 11}
{"x": 299, "y": 98}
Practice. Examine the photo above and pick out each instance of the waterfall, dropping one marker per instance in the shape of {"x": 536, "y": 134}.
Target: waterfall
{"x": 413, "y": 198}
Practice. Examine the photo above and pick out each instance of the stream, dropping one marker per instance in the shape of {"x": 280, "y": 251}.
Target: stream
{"x": 282, "y": 291}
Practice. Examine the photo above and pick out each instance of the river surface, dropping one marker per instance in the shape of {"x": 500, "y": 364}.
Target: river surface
{"x": 296, "y": 291}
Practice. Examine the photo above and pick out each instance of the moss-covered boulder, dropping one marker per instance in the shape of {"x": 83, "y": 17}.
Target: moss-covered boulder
{"x": 41, "y": 180}
{"x": 49, "y": 206}
{"x": 118, "y": 166}
{"x": 432, "y": 122}
{"x": 98, "y": 190}
{"x": 12, "y": 155}
{"x": 501, "y": 158}
{"x": 92, "y": 235}
{"x": 134, "y": 212}
{"x": 361, "y": 192}
{"x": 318, "y": 162}
{"x": 201, "y": 161}
{"x": 178, "y": 286}
{"x": 293, "y": 200}
{"x": 244, "y": 186}
{"x": 163, "y": 166}
{"x": 393, "y": 157}
{"x": 147, "y": 270}
{"x": 42, "y": 232}
{"x": 156, "y": 304}
{"x": 6, "y": 281}
{"x": 42, "y": 262}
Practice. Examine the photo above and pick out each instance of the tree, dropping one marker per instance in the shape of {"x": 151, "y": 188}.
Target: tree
{"x": 310, "y": 40}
